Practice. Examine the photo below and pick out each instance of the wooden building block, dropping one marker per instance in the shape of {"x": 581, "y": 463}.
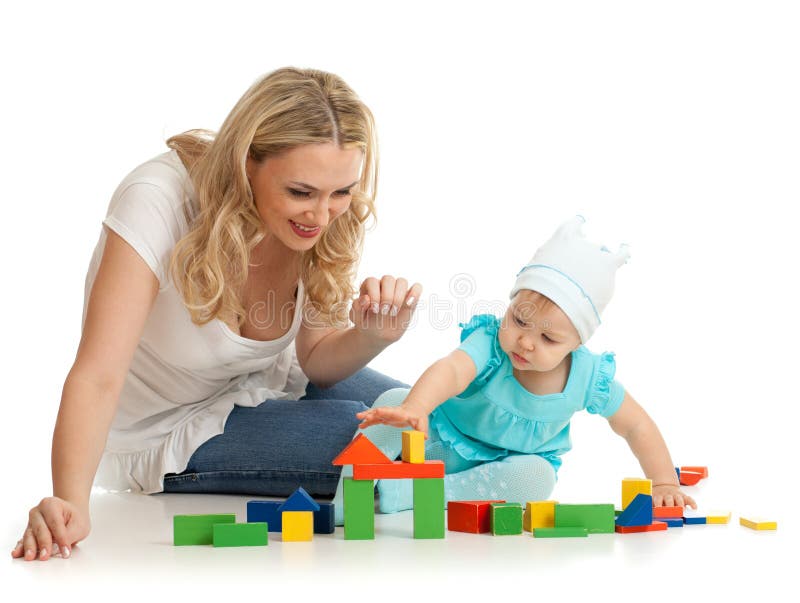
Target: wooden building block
{"x": 413, "y": 446}
{"x": 265, "y": 511}
{"x": 631, "y": 486}
{"x": 324, "y": 522}
{"x": 197, "y": 529}
{"x": 399, "y": 470}
{"x": 672, "y": 522}
{"x": 298, "y": 526}
{"x": 359, "y": 509}
{"x": 639, "y": 512}
{"x": 758, "y": 523}
{"x": 596, "y": 518}
{"x": 702, "y": 470}
{"x": 560, "y": 532}
{"x": 471, "y": 516}
{"x": 656, "y": 526}
{"x": 240, "y": 534}
{"x": 693, "y": 517}
{"x": 689, "y": 478}
{"x": 360, "y": 451}
{"x": 671, "y": 512}
{"x": 505, "y": 519}
{"x": 539, "y": 514}
{"x": 718, "y": 517}
{"x": 300, "y": 500}
{"x": 428, "y": 508}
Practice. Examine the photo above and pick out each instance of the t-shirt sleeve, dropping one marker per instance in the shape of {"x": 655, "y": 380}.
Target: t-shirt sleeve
{"x": 145, "y": 216}
{"x": 605, "y": 394}
{"x": 478, "y": 346}
{"x": 479, "y": 341}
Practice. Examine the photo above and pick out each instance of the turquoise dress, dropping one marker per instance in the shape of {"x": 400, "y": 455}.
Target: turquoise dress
{"x": 496, "y": 416}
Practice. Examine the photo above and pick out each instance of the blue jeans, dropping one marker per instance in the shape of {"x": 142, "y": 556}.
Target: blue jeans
{"x": 271, "y": 449}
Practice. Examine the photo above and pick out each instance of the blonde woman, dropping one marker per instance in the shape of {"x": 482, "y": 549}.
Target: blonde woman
{"x": 221, "y": 351}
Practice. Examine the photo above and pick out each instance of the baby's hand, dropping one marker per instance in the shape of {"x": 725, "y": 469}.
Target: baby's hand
{"x": 669, "y": 495}
{"x": 399, "y": 416}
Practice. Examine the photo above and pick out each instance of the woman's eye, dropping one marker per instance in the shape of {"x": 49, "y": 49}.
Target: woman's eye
{"x": 344, "y": 193}
{"x": 294, "y": 192}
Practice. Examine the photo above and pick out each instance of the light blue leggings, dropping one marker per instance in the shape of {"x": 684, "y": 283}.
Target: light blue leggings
{"x": 515, "y": 478}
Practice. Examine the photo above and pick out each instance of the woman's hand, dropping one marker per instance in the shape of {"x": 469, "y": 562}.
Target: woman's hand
{"x": 385, "y": 307}
{"x": 54, "y": 525}
{"x": 396, "y": 416}
{"x": 670, "y": 495}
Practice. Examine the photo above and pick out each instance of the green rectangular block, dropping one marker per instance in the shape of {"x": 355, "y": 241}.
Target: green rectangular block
{"x": 197, "y": 529}
{"x": 560, "y": 532}
{"x": 505, "y": 519}
{"x": 241, "y": 534}
{"x": 429, "y": 508}
{"x": 597, "y": 519}
{"x": 359, "y": 509}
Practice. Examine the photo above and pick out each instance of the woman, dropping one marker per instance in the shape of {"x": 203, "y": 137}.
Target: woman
{"x": 220, "y": 286}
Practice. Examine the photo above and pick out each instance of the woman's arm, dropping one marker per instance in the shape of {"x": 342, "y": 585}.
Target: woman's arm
{"x": 445, "y": 378}
{"x": 120, "y": 301}
{"x": 645, "y": 441}
{"x": 380, "y": 316}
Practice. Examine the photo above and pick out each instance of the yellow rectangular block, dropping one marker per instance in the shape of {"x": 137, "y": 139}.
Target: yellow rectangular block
{"x": 539, "y": 514}
{"x": 413, "y": 446}
{"x": 631, "y": 486}
{"x": 758, "y": 523}
{"x": 297, "y": 526}
{"x": 718, "y": 517}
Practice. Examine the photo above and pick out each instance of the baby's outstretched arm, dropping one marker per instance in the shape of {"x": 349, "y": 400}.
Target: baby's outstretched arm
{"x": 445, "y": 378}
{"x": 645, "y": 440}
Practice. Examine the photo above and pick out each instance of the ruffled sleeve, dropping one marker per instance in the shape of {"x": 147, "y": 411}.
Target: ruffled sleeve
{"x": 479, "y": 341}
{"x": 605, "y": 395}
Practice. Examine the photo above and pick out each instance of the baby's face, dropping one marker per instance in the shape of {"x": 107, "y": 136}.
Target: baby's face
{"x": 536, "y": 339}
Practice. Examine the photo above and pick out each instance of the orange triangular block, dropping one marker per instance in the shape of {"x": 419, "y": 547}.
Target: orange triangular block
{"x": 361, "y": 452}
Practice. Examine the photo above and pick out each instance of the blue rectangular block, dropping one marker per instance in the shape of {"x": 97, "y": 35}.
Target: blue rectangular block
{"x": 694, "y": 520}
{"x": 672, "y": 522}
{"x": 265, "y": 510}
{"x": 324, "y": 519}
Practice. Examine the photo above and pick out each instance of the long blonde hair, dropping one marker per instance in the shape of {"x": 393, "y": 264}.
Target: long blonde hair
{"x": 284, "y": 109}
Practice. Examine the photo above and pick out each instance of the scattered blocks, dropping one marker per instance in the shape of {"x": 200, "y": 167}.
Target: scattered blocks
{"x": 505, "y": 519}
{"x": 360, "y": 451}
{"x": 197, "y": 529}
{"x": 298, "y": 526}
{"x": 470, "y": 516}
{"x": 656, "y": 526}
{"x": 539, "y": 514}
{"x": 428, "y": 508}
{"x": 639, "y": 512}
{"x": 758, "y": 523}
{"x": 689, "y": 478}
{"x": 399, "y": 470}
{"x": 240, "y": 534}
{"x": 596, "y": 518}
{"x": 560, "y": 532}
{"x": 413, "y": 446}
{"x": 631, "y": 486}
{"x": 359, "y": 509}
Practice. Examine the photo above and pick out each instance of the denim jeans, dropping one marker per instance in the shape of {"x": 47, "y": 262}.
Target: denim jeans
{"x": 271, "y": 449}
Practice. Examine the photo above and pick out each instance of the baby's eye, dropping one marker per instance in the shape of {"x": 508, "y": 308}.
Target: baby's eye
{"x": 546, "y": 338}
{"x": 519, "y": 322}
{"x": 295, "y": 192}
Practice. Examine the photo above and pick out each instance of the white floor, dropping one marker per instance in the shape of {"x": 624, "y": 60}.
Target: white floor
{"x": 129, "y": 555}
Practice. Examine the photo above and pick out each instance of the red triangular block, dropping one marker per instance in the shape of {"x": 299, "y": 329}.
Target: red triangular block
{"x": 361, "y": 452}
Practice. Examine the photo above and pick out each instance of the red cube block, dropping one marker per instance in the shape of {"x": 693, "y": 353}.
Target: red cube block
{"x": 470, "y": 516}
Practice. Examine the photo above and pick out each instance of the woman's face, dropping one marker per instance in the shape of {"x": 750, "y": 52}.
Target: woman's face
{"x": 300, "y": 192}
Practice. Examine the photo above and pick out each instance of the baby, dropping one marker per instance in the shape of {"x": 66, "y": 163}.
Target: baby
{"x": 497, "y": 409}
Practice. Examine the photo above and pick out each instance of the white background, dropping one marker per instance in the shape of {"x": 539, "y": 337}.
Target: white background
{"x": 671, "y": 126}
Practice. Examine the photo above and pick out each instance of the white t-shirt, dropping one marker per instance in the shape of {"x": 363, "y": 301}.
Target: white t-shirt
{"x": 184, "y": 380}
